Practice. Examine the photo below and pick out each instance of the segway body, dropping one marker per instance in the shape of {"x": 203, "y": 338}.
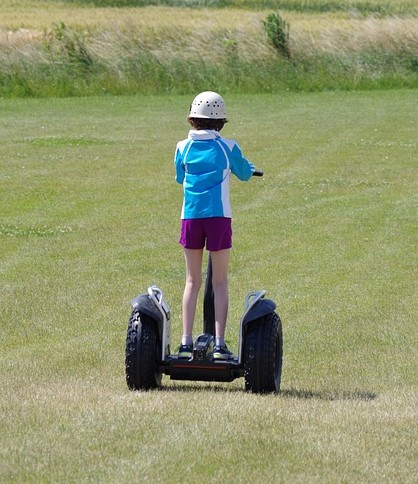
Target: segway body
{"x": 148, "y": 356}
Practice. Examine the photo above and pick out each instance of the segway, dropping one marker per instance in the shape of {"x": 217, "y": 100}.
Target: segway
{"x": 148, "y": 344}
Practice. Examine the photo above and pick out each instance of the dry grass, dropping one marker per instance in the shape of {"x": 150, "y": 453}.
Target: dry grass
{"x": 112, "y": 33}
{"x": 39, "y": 17}
{"x": 322, "y": 35}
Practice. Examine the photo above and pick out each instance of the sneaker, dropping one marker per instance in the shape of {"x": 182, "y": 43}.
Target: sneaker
{"x": 222, "y": 353}
{"x": 185, "y": 352}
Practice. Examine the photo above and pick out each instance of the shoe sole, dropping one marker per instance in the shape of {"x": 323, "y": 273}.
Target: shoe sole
{"x": 184, "y": 357}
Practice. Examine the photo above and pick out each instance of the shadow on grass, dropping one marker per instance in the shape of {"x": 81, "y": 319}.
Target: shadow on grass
{"x": 202, "y": 387}
{"x": 327, "y": 395}
{"x": 302, "y": 394}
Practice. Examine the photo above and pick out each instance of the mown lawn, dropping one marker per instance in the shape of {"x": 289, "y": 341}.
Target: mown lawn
{"x": 90, "y": 217}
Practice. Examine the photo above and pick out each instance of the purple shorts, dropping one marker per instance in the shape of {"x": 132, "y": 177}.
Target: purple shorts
{"x": 215, "y": 231}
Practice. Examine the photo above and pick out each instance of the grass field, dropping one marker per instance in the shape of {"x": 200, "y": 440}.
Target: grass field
{"x": 90, "y": 217}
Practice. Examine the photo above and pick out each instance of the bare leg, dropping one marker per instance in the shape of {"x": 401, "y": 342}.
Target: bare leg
{"x": 220, "y": 261}
{"x": 192, "y": 287}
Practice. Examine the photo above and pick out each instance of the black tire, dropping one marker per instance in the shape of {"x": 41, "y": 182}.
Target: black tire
{"x": 263, "y": 355}
{"x": 142, "y": 354}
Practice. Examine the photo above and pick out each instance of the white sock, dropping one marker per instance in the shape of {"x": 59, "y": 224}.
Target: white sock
{"x": 186, "y": 340}
{"x": 219, "y": 341}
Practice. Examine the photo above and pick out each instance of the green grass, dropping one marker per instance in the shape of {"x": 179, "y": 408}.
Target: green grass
{"x": 90, "y": 217}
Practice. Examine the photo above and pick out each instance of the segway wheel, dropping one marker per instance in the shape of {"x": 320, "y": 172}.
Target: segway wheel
{"x": 263, "y": 355}
{"x": 142, "y": 356}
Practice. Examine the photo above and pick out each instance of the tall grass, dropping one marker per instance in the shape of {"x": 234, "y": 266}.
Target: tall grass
{"x": 150, "y": 52}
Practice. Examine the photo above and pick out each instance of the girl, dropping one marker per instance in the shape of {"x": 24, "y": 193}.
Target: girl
{"x": 203, "y": 163}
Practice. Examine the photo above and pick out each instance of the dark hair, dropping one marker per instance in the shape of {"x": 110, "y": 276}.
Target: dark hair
{"x": 205, "y": 123}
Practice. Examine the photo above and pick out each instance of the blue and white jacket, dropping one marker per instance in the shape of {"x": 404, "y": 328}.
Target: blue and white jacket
{"x": 204, "y": 162}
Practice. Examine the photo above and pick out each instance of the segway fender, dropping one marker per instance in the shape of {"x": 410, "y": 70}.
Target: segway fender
{"x": 256, "y": 307}
{"x": 261, "y": 308}
{"x": 145, "y": 306}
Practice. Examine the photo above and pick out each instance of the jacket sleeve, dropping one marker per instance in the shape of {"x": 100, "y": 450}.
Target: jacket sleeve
{"x": 179, "y": 166}
{"x": 240, "y": 166}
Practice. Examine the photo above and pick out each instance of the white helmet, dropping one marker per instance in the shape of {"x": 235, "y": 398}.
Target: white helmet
{"x": 208, "y": 105}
